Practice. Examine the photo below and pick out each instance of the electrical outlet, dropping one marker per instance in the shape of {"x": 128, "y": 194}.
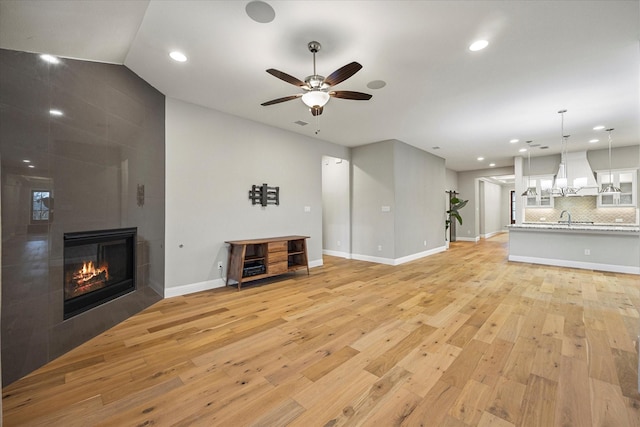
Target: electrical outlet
{"x": 338, "y": 242}
{"x": 425, "y": 243}
{"x": 219, "y": 265}
{"x": 379, "y": 247}
{"x": 587, "y": 251}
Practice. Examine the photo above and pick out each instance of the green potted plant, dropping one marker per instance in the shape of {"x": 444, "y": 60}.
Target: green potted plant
{"x": 455, "y": 205}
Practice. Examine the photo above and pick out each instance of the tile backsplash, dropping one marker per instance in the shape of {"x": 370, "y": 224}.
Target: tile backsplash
{"x": 582, "y": 209}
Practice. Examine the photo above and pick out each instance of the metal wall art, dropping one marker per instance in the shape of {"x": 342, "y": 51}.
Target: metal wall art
{"x": 264, "y": 195}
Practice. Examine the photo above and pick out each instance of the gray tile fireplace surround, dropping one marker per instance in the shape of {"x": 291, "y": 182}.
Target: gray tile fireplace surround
{"x": 92, "y": 159}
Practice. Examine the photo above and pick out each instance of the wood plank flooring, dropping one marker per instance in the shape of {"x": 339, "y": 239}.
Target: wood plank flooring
{"x": 461, "y": 338}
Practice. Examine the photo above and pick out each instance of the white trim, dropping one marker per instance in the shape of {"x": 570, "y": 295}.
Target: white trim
{"x": 398, "y": 261}
{"x": 490, "y": 235}
{"x": 336, "y": 253}
{"x": 576, "y": 264}
{"x": 419, "y": 255}
{"x": 468, "y": 239}
{"x": 191, "y": 288}
{"x": 378, "y": 260}
{"x": 316, "y": 263}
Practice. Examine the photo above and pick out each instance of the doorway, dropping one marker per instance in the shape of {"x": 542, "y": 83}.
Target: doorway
{"x": 336, "y": 207}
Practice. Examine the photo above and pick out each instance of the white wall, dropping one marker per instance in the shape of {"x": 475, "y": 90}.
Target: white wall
{"x": 212, "y": 159}
{"x": 336, "y": 207}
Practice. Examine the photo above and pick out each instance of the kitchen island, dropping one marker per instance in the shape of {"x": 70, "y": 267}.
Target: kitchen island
{"x": 614, "y": 248}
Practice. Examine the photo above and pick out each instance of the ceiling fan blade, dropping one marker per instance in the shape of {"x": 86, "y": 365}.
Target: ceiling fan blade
{"x": 316, "y": 111}
{"x": 342, "y": 74}
{"x": 279, "y": 100}
{"x": 347, "y": 94}
{"x": 286, "y": 77}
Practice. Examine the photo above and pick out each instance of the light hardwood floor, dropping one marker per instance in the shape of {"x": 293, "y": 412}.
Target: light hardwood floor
{"x": 462, "y": 338}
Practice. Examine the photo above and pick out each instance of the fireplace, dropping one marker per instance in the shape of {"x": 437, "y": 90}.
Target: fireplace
{"x": 98, "y": 267}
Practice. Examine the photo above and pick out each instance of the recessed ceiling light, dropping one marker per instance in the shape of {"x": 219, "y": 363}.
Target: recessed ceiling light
{"x": 55, "y": 112}
{"x": 522, "y": 150}
{"x": 599, "y": 127}
{"x": 26, "y": 161}
{"x": 480, "y": 159}
{"x": 478, "y": 45}
{"x": 260, "y": 12}
{"x": 492, "y": 164}
{"x": 376, "y": 84}
{"x": 178, "y": 56}
{"x": 50, "y": 58}
{"x": 31, "y": 166}
{"x": 593, "y": 141}
{"x": 513, "y": 141}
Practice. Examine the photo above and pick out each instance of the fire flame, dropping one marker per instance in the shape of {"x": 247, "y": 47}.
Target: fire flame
{"x": 88, "y": 272}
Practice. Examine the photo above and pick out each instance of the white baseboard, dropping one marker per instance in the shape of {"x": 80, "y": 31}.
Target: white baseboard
{"x": 468, "y": 239}
{"x": 191, "y": 288}
{"x": 489, "y": 235}
{"x": 398, "y": 261}
{"x": 336, "y": 253}
{"x": 316, "y": 263}
{"x": 576, "y": 264}
{"x": 377, "y": 260}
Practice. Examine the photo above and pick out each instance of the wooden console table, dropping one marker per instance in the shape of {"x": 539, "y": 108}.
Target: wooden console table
{"x": 256, "y": 259}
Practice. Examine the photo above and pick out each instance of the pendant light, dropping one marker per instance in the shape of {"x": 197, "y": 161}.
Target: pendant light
{"x": 530, "y": 191}
{"x": 561, "y": 185}
{"x": 610, "y": 188}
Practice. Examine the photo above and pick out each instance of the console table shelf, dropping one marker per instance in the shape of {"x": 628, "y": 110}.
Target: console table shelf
{"x": 256, "y": 259}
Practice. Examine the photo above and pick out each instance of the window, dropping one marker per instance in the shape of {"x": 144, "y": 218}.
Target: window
{"x": 512, "y": 208}
{"x": 40, "y": 204}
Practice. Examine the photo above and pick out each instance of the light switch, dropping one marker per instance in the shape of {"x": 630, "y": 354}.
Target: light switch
{"x": 307, "y": 208}
{"x": 386, "y": 209}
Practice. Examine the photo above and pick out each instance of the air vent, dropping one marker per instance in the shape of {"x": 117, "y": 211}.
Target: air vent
{"x": 544, "y": 147}
{"x": 301, "y": 123}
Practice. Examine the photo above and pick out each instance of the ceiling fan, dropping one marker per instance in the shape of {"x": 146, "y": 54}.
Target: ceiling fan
{"x": 316, "y": 88}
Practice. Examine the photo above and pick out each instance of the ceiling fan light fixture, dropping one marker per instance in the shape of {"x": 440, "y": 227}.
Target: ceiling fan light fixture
{"x": 478, "y": 45}
{"x": 315, "y": 98}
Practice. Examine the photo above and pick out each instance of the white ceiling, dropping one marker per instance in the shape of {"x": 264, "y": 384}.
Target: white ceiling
{"x": 543, "y": 56}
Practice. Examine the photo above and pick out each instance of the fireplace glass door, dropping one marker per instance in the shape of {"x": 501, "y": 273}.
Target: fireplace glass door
{"x": 98, "y": 267}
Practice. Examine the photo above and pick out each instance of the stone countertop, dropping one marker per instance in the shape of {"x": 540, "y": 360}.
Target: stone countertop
{"x": 633, "y": 228}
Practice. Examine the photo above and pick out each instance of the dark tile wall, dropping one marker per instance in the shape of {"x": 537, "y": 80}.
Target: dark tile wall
{"x": 109, "y": 140}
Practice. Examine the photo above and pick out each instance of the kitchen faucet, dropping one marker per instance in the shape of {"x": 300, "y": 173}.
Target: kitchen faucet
{"x": 568, "y": 215}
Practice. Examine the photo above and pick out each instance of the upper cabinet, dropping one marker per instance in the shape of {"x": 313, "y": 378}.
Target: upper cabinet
{"x": 542, "y": 184}
{"x": 626, "y": 180}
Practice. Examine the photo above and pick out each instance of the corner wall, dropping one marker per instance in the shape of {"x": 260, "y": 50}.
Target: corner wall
{"x": 398, "y": 208}
{"x": 109, "y": 140}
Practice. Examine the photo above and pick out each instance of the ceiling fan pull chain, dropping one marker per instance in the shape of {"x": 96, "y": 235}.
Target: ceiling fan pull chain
{"x": 317, "y": 124}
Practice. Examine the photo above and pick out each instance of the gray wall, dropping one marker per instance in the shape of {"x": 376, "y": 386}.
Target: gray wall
{"x": 109, "y": 140}
{"x": 419, "y": 185}
{"x": 410, "y": 183}
{"x": 372, "y": 187}
{"x": 212, "y": 160}
{"x": 336, "y": 207}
